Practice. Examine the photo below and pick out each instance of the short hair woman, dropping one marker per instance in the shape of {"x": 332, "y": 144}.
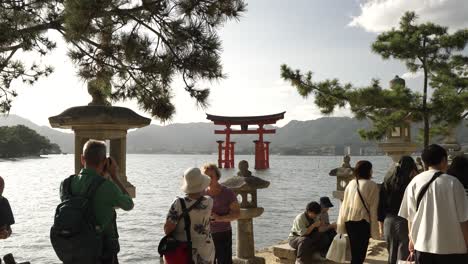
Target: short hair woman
{"x": 225, "y": 210}
{"x": 358, "y": 212}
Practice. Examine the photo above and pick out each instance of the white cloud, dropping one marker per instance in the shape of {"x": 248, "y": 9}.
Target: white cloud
{"x": 380, "y": 15}
{"x": 412, "y": 75}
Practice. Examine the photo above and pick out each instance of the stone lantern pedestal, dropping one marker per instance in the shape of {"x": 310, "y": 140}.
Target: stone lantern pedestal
{"x": 101, "y": 123}
{"x": 245, "y": 186}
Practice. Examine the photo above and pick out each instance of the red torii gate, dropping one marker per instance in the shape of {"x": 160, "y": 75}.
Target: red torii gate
{"x": 262, "y": 155}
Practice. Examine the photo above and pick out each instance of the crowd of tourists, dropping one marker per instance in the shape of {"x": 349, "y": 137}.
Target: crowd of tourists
{"x": 85, "y": 224}
{"x": 420, "y": 210}
{"x": 199, "y": 221}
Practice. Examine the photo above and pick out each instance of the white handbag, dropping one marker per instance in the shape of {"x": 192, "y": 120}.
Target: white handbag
{"x": 409, "y": 260}
{"x": 339, "y": 250}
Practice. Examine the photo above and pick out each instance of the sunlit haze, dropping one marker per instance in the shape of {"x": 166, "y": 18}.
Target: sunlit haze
{"x": 332, "y": 38}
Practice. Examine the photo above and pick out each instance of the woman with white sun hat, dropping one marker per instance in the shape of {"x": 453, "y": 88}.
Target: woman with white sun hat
{"x": 199, "y": 206}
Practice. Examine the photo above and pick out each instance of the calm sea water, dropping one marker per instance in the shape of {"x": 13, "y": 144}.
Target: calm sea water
{"x": 32, "y": 189}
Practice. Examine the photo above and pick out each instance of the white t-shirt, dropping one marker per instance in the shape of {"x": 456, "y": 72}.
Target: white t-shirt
{"x": 436, "y": 225}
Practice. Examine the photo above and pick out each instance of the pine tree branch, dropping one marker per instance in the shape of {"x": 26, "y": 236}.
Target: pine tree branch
{"x": 163, "y": 39}
{"x": 10, "y": 48}
{"x": 41, "y": 27}
{"x": 7, "y": 59}
{"x": 123, "y": 66}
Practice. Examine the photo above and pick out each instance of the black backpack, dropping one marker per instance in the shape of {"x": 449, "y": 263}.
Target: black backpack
{"x": 74, "y": 235}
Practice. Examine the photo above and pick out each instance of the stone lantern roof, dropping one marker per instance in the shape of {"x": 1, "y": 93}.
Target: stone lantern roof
{"x": 246, "y": 184}
{"x": 397, "y": 81}
{"x": 244, "y": 181}
{"x": 104, "y": 116}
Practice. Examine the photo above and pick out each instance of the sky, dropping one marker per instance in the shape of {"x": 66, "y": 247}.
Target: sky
{"x": 331, "y": 38}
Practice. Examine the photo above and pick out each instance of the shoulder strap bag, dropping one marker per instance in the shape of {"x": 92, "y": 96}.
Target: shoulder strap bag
{"x": 168, "y": 243}
{"x": 362, "y": 199}
{"x": 365, "y": 205}
{"x": 424, "y": 189}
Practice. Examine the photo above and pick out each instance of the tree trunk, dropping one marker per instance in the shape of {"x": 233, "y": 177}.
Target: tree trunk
{"x": 425, "y": 111}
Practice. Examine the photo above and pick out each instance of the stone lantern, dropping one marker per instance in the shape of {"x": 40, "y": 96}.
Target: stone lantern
{"x": 397, "y": 81}
{"x": 344, "y": 175}
{"x": 398, "y": 139}
{"x": 245, "y": 186}
{"x": 101, "y": 122}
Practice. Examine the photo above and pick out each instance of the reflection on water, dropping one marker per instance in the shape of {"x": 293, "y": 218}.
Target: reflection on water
{"x": 32, "y": 189}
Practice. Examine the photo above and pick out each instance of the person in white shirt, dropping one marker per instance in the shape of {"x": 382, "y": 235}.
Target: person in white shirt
{"x": 438, "y": 224}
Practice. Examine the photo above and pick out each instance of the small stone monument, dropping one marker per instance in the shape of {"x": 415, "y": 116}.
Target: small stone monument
{"x": 344, "y": 174}
{"x": 245, "y": 185}
{"x": 101, "y": 121}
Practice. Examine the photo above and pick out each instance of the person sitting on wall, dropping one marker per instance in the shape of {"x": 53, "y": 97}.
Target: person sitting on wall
{"x": 327, "y": 229}
{"x": 305, "y": 236}
{"x": 6, "y": 215}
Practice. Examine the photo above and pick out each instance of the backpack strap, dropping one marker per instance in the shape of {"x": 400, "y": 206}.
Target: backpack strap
{"x": 89, "y": 194}
{"x": 185, "y": 210}
{"x": 65, "y": 188}
{"x": 185, "y": 214}
{"x": 424, "y": 189}
{"x": 93, "y": 186}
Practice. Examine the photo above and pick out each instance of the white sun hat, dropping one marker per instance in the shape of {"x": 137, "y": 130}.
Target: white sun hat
{"x": 195, "y": 181}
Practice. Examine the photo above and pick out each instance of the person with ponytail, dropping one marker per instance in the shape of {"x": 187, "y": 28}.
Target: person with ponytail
{"x": 393, "y": 227}
{"x": 358, "y": 212}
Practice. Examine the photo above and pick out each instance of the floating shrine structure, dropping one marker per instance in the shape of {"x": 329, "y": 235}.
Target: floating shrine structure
{"x": 262, "y": 147}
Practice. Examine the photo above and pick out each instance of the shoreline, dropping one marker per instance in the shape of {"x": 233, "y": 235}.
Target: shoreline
{"x": 22, "y": 158}
{"x": 376, "y": 253}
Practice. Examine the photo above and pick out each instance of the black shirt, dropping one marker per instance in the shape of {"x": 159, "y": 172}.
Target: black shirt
{"x": 6, "y": 215}
{"x": 389, "y": 202}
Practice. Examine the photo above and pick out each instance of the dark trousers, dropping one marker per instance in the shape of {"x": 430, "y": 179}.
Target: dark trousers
{"x": 110, "y": 260}
{"x": 326, "y": 239}
{"x": 396, "y": 235}
{"x": 223, "y": 247}
{"x": 106, "y": 260}
{"x": 429, "y": 258}
{"x": 305, "y": 246}
{"x": 359, "y": 234}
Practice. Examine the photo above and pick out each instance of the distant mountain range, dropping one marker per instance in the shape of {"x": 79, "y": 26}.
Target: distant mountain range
{"x": 327, "y": 135}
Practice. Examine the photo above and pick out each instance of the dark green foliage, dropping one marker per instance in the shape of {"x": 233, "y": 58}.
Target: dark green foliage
{"x": 20, "y": 141}
{"x": 138, "y": 47}
{"x": 450, "y": 97}
{"x": 426, "y": 48}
